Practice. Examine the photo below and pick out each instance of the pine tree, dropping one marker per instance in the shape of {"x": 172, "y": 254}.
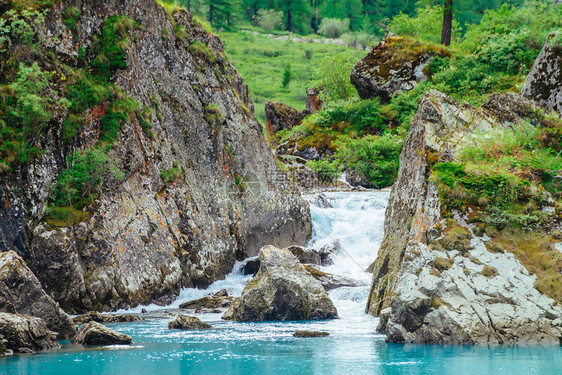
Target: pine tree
{"x": 296, "y": 12}
{"x": 447, "y": 23}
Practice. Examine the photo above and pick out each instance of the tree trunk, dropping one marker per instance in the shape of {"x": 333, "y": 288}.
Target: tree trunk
{"x": 211, "y": 13}
{"x": 447, "y": 23}
{"x": 289, "y": 21}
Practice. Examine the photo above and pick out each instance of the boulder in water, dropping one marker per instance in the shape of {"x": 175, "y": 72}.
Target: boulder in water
{"x": 219, "y": 300}
{"x": 310, "y": 334}
{"x": 188, "y": 323}
{"x": 94, "y": 333}
{"x": 94, "y": 316}
{"x": 282, "y": 290}
{"x": 329, "y": 281}
{"x": 22, "y": 293}
{"x": 251, "y": 267}
{"x": 25, "y": 334}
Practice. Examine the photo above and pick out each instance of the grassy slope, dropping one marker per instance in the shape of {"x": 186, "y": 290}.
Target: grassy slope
{"x": 261, "y": 60}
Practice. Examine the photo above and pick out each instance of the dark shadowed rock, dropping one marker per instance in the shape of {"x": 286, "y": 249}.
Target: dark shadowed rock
{"x": 282, "y": 290}
{"x": 94, "y": 316}
{"x": 251, "y": 267}
{"x": 219, "y": 300}
{"x": 279, "y": 116}
{"x": 26, "y": 334}
{"x": 188, "y": 323}
{"x": 311, "y": 334}
{"x": 544, "y": 82}
{"x": 305, "y": 255}
{"x": 94, "y": 333}
{"x": 320, "y": 200}
{"x": 395, "y": 64}
{"x": 22, "y": 293}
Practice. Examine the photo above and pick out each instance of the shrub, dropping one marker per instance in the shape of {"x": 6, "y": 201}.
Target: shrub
{"x": 79, "y": 183}
{"x": 357, "y": 40}
{"x": 333, "y": 27}
{"x": 332, "y": 76}
{"x": 270, "y": 19}
{"x": 287, "y": 76}
{"x": 426, "y": 24}
{"x": 171, "y": 175}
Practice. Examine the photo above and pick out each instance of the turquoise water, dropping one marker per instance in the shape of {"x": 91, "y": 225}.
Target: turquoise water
{"x": 353, "y": 347}
{"x": 269, "y": 348}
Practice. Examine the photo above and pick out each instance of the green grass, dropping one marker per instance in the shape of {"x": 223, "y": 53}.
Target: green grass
{"x": 261, "y": 61}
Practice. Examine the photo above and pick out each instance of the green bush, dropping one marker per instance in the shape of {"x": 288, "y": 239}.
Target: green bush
{"x": 425, "y": 25}
{"x": 333, "y": 27}
{"x": 332, "y": 76}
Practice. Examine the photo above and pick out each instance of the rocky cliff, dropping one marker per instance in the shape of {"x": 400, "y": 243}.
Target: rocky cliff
{"x": 445, "y": 275}
{"x": 192, "y": 186}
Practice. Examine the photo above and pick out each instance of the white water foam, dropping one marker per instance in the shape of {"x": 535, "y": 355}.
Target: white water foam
{"x": 356, "y": 220}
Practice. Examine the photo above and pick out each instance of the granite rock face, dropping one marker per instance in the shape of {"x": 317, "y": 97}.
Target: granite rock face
{"x": 279, "y": 116}
{"x": 25, "y": 334}
{"x": 21, "y": 293}
{"x": 94, "y": 316}
{"x": 219, "y": 300}
{"x": 94, "y": 333}
{"x": 544, "y": 82}
{"x": 282, "y": 290}
{"x": 424, "y": 294}
{"x": 146, "y": 236}
{"x": 396, "y": 64}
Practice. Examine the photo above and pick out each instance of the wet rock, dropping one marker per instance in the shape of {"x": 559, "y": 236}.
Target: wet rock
{"x": 329, "y": 281}
{"x": 451, "y": 291}
{"x": 219, "y": 300}
{"x": 544, "y": 82}
{"x": 396, "y": 64}
{"x": 25, "y": 334}
{"x": 94, "y": 333}
{"x": 281, "y": 290}
{"x": 329, "y": 251}
{"x": 310, "y": 334}
{"x": 305, "y": 255}
{"x": 279, "y": 116}
{"x": 188, "y": 323}
{"x": 22, "y": 293}
{"x": 146, "y": 237}
{"x": 94, "y": 316}
{"x": 320, "y": 200}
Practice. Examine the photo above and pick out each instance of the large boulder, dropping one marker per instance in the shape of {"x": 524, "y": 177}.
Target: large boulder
{"x": 437, "y": 279}
{"x": 544, "y": 82}
{"x": 282, "y": 290}
{"x": 94, "y": 333}
{"x": 25, "y": 334}
{"x": 22, "y": 293}
{"x": 94, "y": 316}
{"x": 188, "y": 323}
{"x": 396, "y": 64}
{"x": 330, "y": 281}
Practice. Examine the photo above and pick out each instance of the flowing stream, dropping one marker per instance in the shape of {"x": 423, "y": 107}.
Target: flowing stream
{"x": 353, "y": 347}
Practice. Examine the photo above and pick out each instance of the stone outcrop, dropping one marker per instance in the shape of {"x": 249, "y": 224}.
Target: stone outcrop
{"x": 147, "y": 236}
{"x": 282, "y": 290}
{"x": 396, "y": 64}
{"x": 313, "y": 102}
{"x": 219, "y": 300}
{"x": 21, "y": 293}
{"x": 279, "y": 116}
{"x": 544, "y": 82}
{"x": 465, "y": 294}
{"x": 188, "y": 323}
{"x": 25, "y": 334}
{"x": 330, "y": 281}
{"x": 94, "y": 316}
{"x": 96, "y": 334}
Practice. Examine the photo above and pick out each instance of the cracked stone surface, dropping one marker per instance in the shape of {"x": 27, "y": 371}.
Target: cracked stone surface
{"x": 458, "y": 305}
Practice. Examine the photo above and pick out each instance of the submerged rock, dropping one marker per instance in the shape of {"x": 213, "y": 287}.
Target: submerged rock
{"x": 25, "y": 334}
{"x": 434, "y": 281}
{"x": 544, "y": 82}
{"x": 282, "y": 290}
{"x": 396, "y": 64}
{"x": 22, "y": 293}
{"x": 94, "y": 316}
{"x": 188, "y": 323}
{"x": 94, "y": 333}
{"x": 219, "y": 300}
{"x": 311, "y": 334}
